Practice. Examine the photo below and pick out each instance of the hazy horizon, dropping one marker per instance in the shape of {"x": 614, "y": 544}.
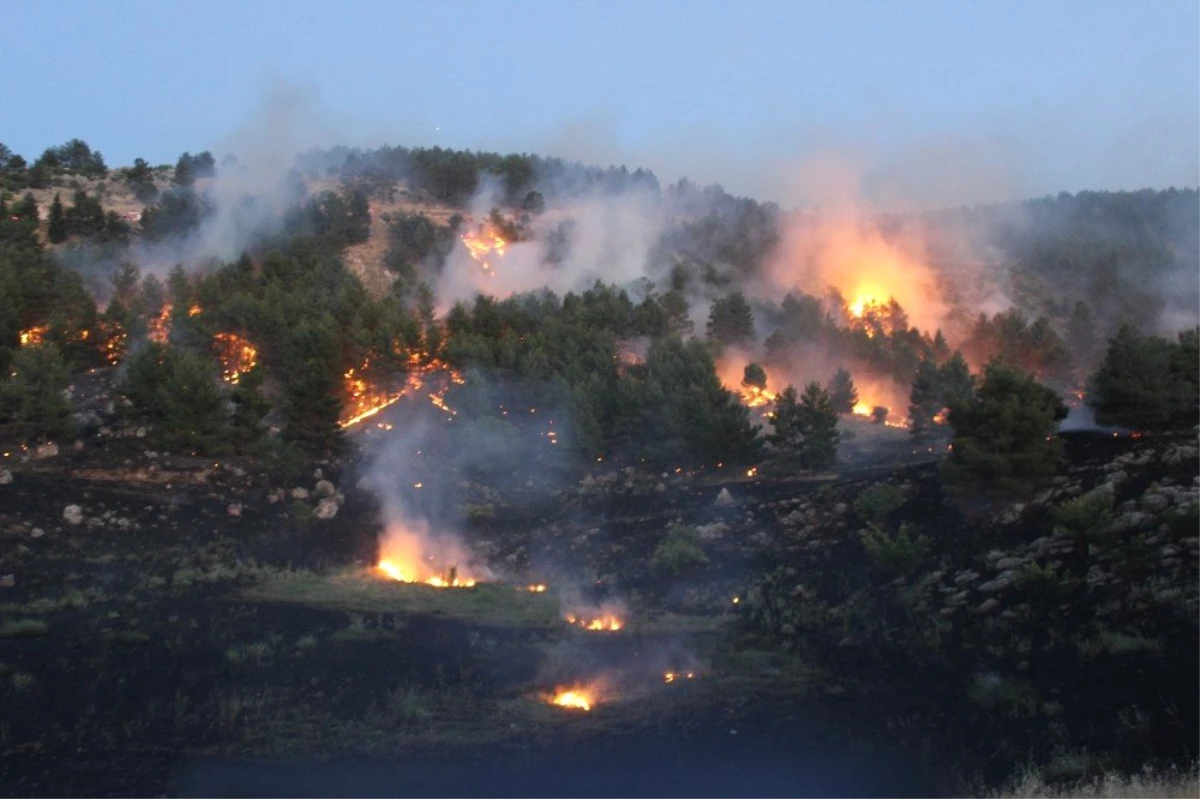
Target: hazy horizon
{"x": 904, "y": 105}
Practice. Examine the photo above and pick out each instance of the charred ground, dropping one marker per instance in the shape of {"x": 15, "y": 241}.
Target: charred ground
{"x": 142, "y": 651}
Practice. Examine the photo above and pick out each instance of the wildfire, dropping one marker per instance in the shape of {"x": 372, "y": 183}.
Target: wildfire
{"x": 34, "y": 335}
{"x": 862, "y": 409}
{"x": 410, "y": 553}
{"x": 364, "y": 400}
{"x": 606, "y": 622}
{"x": 573, "y": 698}
{"x": 159, "y": 329}
{"x": 672, "y": 676}
{"x": 755, "y": 397}
{"x": 236, "y": 354}
{"x": 533, "y": 589}
{"x": 482, "y": 243}
{"x": 393, "y": 570}
{"x": 860, "y": 304}
{"x": 195, "y": 310}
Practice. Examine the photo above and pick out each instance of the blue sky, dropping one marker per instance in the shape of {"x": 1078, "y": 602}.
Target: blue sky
{"x": 897, "y": 102}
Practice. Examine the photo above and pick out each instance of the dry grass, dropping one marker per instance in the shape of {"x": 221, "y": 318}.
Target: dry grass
{"x": 1170, "y": 784}
{"x": 359, "y": 591}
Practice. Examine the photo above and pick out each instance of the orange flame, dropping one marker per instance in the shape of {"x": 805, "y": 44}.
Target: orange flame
{"x": 607, "y": 622}
{"x": 364, "y": 400}
{"x": 159, "y": 329}
{"x": 573, "y": 698}
{"x": 482, "y": 243}
{"x": 410, "y": 554}
{"x": 236, "y": 355}
{"x": 34, "y": 335}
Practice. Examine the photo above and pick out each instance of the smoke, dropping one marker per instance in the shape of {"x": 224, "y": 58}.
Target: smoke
{"x": 604, "y": 236}
{"x": 409, "y": 542}
{"x": 255, "y": 182}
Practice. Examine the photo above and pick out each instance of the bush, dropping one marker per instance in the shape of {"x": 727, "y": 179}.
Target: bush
{"x": 901, "y": 554}
{"x": 877, "y": 502}
{"x": 679, "y": 553}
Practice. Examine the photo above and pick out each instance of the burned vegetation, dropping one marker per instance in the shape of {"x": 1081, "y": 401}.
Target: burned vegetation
{"x": 455, "y": 458}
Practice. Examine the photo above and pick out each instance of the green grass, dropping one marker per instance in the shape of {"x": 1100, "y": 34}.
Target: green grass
{"x": 360, "y": 592}
{"x": 23, "y": 628}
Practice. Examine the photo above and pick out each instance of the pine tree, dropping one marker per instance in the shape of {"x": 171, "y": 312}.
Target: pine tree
{"x": 57, "y": 229}
{"x": 754, "y": 376}
{"x": 842, "y": 393}
{"x": 805, "y": 435}
{"x": 1004, "y": 442}
{"x": 925, "y": 402}
{"x": 731, "y": 320}
{"x": 31, "y": 398}
{"x": 1146, "y": 381}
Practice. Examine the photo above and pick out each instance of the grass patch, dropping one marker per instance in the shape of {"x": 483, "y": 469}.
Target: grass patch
{"x": 23, "y": 628}
{"x": 360, "y": 592}
{"x": 131, "y": 637}
{"x": 1150, "y": 783}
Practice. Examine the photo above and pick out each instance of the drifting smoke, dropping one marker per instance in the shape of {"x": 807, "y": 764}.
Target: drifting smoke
{"x": 410, "y": 549}
{"x": 606, "y": 237}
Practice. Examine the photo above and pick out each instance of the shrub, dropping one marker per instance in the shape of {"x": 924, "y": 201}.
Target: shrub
{"x": 877, "y": 502}
{"x": 901, "y": 554}
{"x": 680, "y": 552}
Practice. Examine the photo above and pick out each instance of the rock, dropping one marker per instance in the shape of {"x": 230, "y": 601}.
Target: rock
{"x": 712, "y": 532}
{"x": 1007, "y": 564}
{"x": 946, "y": 613}
{"x": 140, "y": 432}
{"x": 73, "y": 515}
{"x": 987, "y": 606}
{"x": 1132, "y": 520}
{"x": 724, "y": 499}
{"x": 234, "y": 509}
{"x": 959, "y": 598}
{"x": 1103, "y": 488}
{"x": 300, "y": 493}
{"x": 8, "y": 581}
{"x": 5, "y": 477}
{"x": 999, "y": 584}
{"x": 1180, "y": 454}
{"x": 318, "y": 474}
{"x": 966, "y": 577}
{"x": 47, "y": 450}
{"x": 995, "y": 555}
{"x": 1155, "y": 502}
{"x": 1118, "y": 476}
{"x": 327, "y": 508}
{"x": 275, "y": 496}
{"x": 324, "y": 489}
{"x": 37, "y": 532}
{"x": 364, "y": 484}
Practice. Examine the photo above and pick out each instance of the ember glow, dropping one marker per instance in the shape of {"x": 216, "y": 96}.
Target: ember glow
{"x": 364, "y": 399}
{"x": 236, "y": 355}
{"x": 605, "y": 622}
{"x": 159, "y": 329}
{"x": 485, "y": 245}
{"x": 573, "y": 698}
{"x": 33, "y": 335}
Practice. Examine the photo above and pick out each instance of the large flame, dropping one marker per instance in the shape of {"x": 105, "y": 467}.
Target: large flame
{"x": 573, "y": 698}
{"x": 483, "y": 244}
{"x": 410, "y": 553}
{"x": 846, "y": 250}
